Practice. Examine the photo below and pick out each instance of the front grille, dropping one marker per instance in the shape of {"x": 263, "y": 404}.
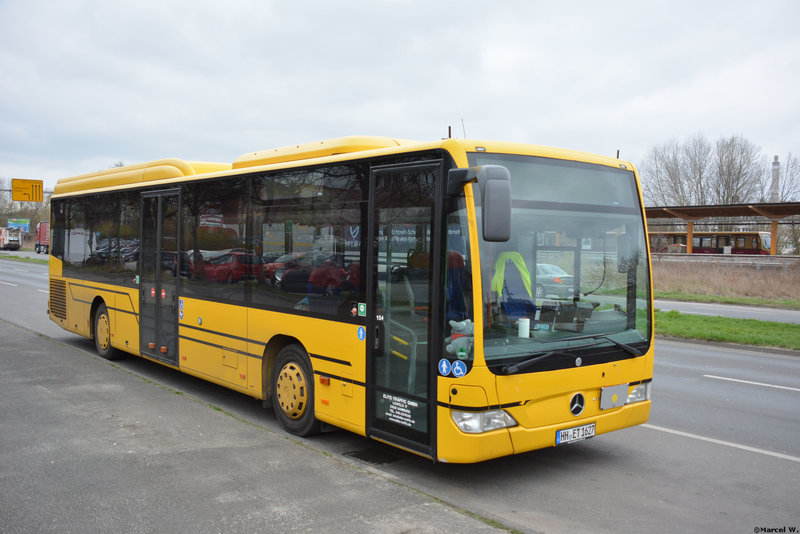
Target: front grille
{"x": 58, "y": 298}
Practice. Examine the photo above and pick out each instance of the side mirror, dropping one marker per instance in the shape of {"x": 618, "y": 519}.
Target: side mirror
{"x": 495, "y": 184}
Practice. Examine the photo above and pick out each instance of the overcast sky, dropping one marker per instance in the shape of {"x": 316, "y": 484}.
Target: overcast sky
{"x": 87, "y": 83}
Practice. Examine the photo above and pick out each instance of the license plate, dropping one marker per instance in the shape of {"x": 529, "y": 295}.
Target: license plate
{"x": 578, "y": 433}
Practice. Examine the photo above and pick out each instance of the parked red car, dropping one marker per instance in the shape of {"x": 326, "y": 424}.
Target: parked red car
{"x": 273, "y": 270}
{"x": 308, "y": 272}
{"x": 233, "y": 267}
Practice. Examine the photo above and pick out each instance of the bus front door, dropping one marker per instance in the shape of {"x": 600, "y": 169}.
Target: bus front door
{"x": 400, "y": 390}
{"x": 158, "y": 271}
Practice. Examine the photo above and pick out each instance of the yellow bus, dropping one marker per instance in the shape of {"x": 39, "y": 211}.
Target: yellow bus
{"x": 462, "y": 300}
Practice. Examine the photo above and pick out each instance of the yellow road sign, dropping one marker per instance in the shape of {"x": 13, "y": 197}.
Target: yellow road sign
{"x": 27, "y": 190}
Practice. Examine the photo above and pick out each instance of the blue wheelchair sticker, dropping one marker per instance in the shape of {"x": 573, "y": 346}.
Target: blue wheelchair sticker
{"x": 459, "y": 369}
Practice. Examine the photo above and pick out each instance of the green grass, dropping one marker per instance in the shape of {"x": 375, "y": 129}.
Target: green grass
{"x": 4, "y": 256}
{"x": 723, "y": 329}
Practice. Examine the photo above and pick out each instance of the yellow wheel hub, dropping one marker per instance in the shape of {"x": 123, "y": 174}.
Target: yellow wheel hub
{"x": 103, "y": 331}
{"x": 292, "y": 391}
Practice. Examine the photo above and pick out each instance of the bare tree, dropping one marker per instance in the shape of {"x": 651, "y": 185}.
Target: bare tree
{"x": 698, "y": 154}
{"x": 678, "y": 174}
{"x": 5, "y": 201}
{"x": 664, "y": 183}
{"x": 731, "y": 171}
{"x": 739, "y": 172}
{"x": 789, "y": 191}
{"x": 789, "y": 184}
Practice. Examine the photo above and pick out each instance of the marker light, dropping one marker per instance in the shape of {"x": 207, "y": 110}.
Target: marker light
{"x": 478, "y": 422}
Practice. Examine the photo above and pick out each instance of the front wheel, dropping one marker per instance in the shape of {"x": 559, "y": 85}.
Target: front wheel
{"x": 102, "y": 334}
{"x": 293, "y": 392}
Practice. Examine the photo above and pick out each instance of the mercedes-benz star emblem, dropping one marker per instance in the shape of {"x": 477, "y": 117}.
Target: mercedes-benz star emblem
{"x": 576, "y": 404}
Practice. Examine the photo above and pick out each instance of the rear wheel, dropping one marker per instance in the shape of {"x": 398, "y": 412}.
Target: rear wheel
{"x": 102, "y": 334}
{"x": 293, "y": 392}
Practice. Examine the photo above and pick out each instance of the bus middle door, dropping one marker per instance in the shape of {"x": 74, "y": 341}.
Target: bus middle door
{"x": 158, "y": 275}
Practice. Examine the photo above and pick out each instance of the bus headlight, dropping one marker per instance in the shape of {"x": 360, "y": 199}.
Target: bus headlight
{"x": 478, "y": 422}
{"x": 639, "y": 393}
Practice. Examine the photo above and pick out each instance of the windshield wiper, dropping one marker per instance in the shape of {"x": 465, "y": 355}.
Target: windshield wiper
{"x": 606, "y": 337}
{"x": 513, "y": 368}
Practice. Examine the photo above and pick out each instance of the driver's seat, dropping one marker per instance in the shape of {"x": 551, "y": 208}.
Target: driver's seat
{"x": 512, "y": 284}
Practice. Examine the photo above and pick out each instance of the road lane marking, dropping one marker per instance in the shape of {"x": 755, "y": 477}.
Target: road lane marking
{"x": 8, "y": 284}
{"x": 725, "y": 443}
{"x": 42, "y": 291}
{"x": 752, "y": 383}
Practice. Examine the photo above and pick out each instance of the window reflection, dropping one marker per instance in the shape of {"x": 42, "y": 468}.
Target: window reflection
{"x": 306, "y": 227}
{"x": 213, "y": 259}
{"x": 95, "y": 236}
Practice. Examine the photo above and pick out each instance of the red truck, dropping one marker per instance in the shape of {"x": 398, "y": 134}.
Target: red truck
{"x": 42, "y": 241}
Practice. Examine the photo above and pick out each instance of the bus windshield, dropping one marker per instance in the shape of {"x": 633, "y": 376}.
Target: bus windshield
{"x": 571, "y": 284}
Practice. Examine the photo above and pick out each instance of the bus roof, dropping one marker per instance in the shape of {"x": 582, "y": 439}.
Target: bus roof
{"x": 133, "y": 174}
{"x": 318, "y": 149}
{"x": 173, "y": 168}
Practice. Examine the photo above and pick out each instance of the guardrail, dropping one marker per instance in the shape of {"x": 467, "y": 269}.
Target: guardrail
{"x": 743, "y": 260}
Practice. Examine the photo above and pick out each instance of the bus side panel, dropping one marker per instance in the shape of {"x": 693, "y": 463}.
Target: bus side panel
{"x": 77, "y": 299}
{"x": 57, "y": 299}
{"x": 212, "y": 342}
{"x": 337, "y": 359}
{"x": 79, "y": 304}
{"x": 123, "y": 313}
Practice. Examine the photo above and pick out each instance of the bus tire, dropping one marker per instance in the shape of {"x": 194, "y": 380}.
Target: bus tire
{"x": 293, "y": 392}
{"x": 102, "y": 334}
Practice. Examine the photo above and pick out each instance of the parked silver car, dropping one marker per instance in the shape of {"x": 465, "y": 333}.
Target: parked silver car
{"x": 553, "y": 280}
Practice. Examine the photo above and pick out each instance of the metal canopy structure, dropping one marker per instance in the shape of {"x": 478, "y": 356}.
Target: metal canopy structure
{"x": 774, "y": 211}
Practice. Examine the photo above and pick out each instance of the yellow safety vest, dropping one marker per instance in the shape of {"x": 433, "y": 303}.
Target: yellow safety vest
{"x": 500, "y": 271}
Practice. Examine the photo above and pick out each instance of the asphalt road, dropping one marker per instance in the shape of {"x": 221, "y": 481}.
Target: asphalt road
{"x": 87, "y": 445}
{"x": 730, "y": 310}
